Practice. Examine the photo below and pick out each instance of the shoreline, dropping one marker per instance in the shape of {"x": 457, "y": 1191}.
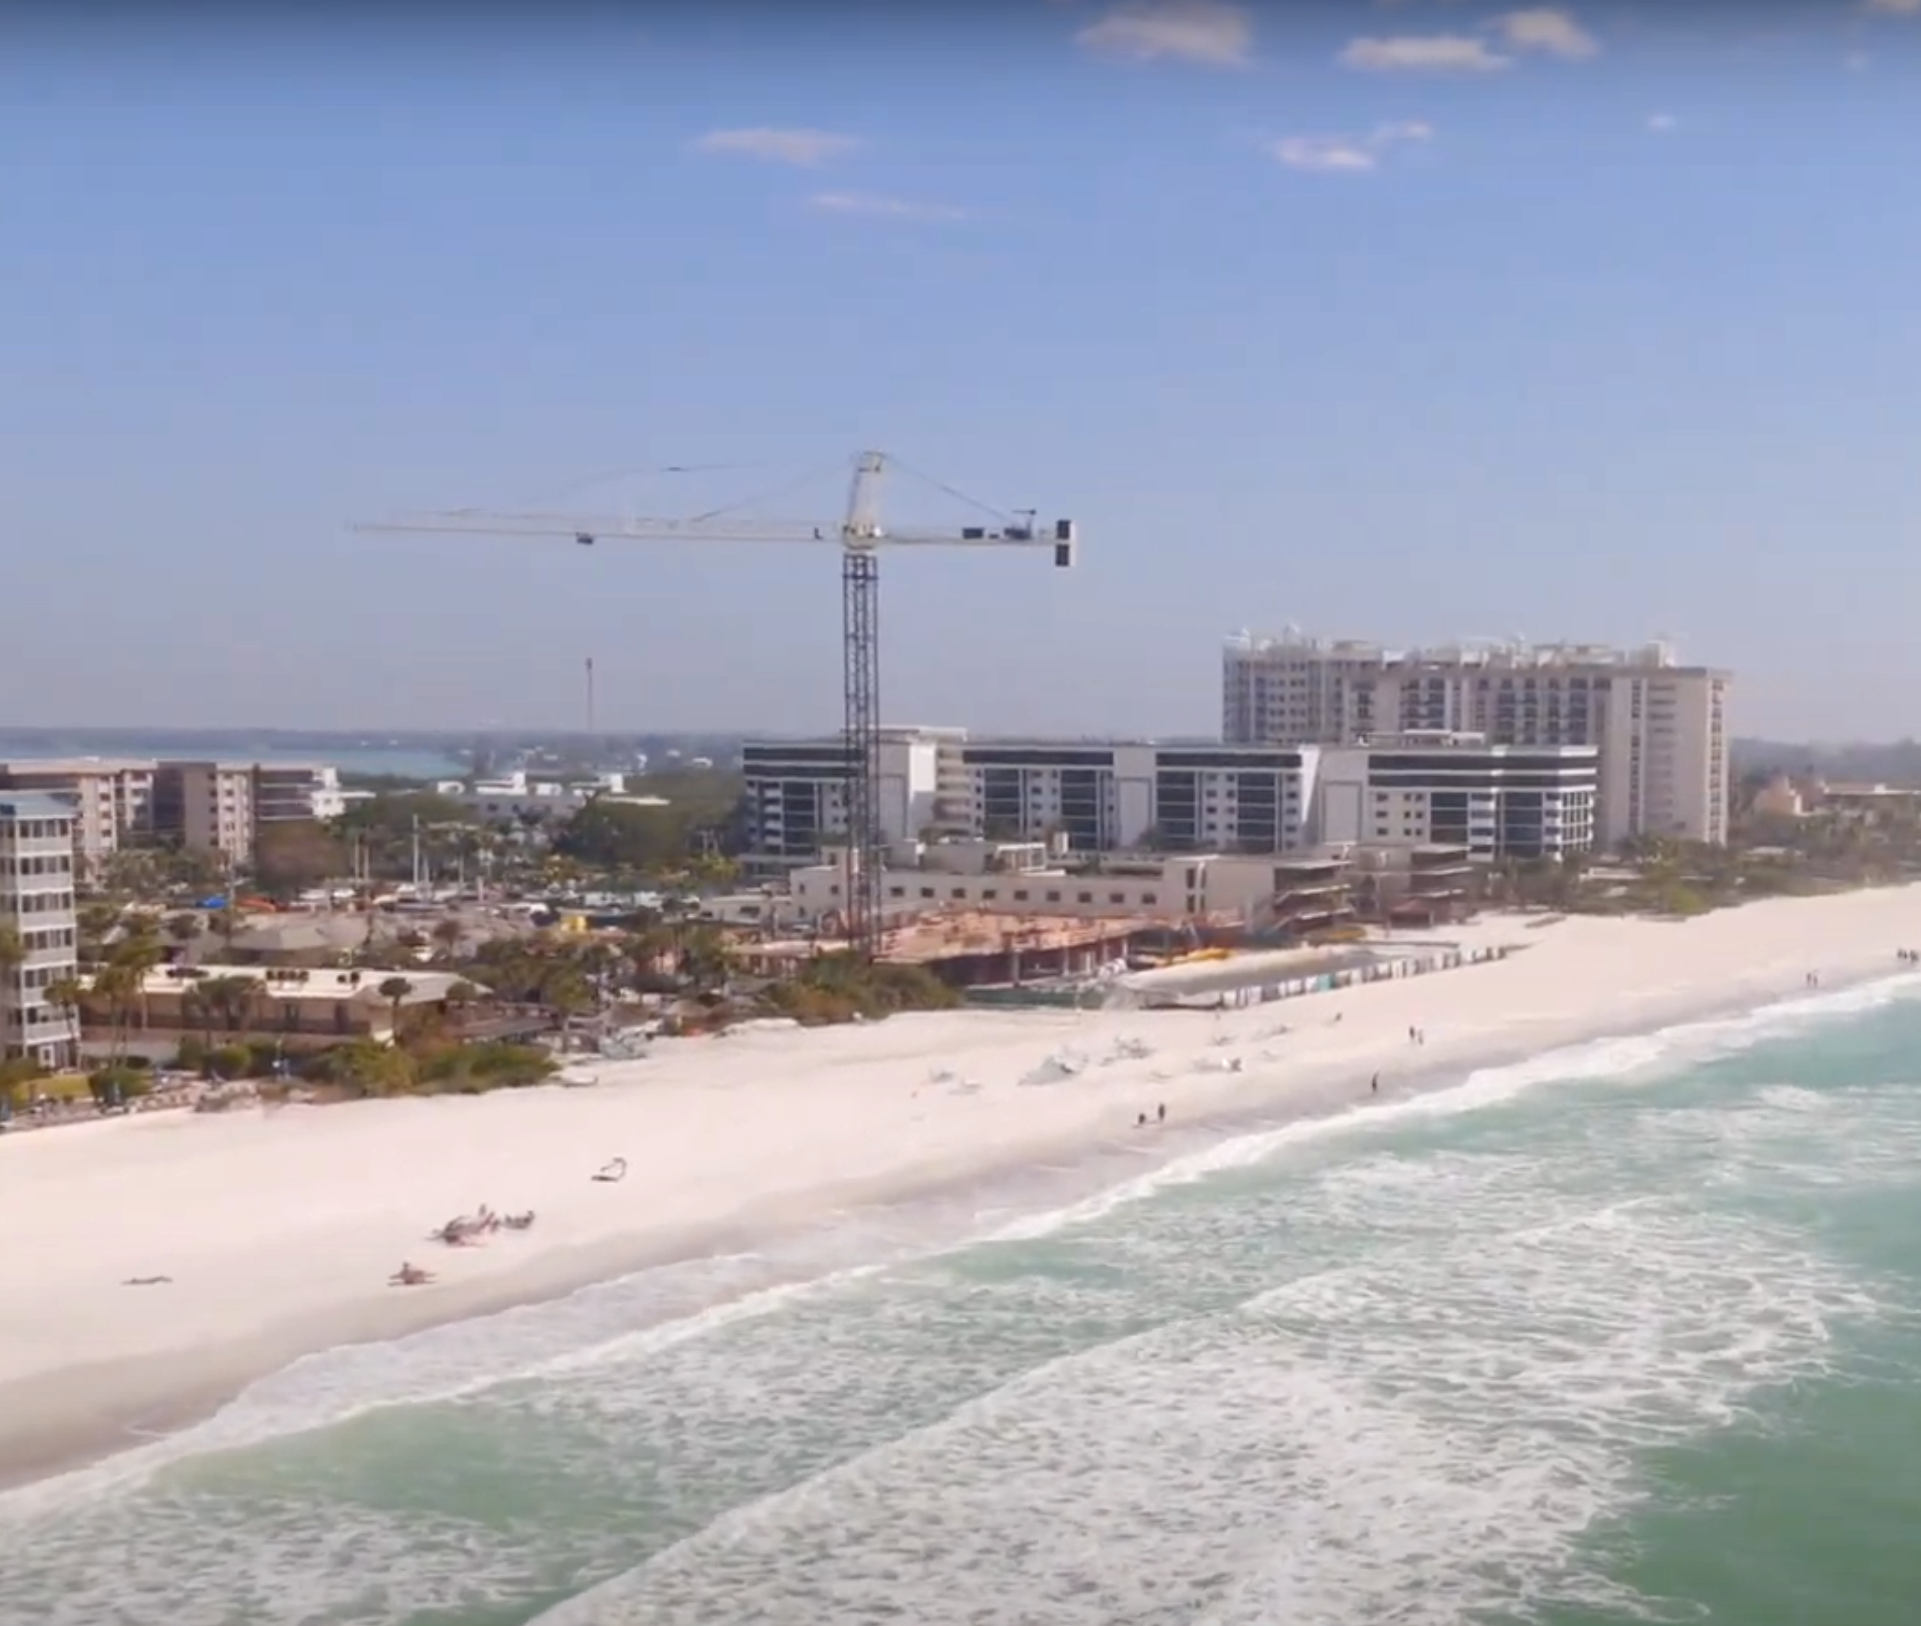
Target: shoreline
{"x": 1063, "y": 1143}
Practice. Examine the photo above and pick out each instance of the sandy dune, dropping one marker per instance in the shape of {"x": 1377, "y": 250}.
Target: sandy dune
{"x": 278, "y": 1229}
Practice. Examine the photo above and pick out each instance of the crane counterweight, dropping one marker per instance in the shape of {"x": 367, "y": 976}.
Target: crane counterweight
{"x": 860, "y": 536}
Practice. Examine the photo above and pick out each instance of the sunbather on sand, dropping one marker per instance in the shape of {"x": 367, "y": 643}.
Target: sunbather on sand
{"x": 615, "y": 1168}
{"x": 146, "y": 1281}
{"x": 410, "y": 1276}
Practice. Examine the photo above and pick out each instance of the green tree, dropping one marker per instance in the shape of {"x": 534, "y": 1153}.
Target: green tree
{"x": 292, "y": 855}
{"x": 607, "y": 835}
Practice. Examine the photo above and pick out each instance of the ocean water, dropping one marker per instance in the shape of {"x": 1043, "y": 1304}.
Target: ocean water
{"x": 1626, "y": 1333}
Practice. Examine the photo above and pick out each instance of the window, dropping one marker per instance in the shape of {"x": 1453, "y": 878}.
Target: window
{"x": 1149, "y": 899}
{"x": 1083, "y": 897}
{"x": 1117, "y": 897}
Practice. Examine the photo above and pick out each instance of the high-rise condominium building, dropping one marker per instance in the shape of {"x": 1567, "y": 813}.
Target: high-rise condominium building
{"x": 1660, "y": 727}
{"x": 37, "y": 913}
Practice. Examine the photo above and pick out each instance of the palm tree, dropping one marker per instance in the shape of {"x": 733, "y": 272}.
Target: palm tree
{"x": 566, "y": 993}
{"x": 706, "y": 958}
{"x": 64, "y": 995}
{"x": 134, "y": 956}
{"x": 231, "y": 997}
{"x": 13, "y": 954}
{"x": 395, "y": 991}
{"x": 113, "y": 987}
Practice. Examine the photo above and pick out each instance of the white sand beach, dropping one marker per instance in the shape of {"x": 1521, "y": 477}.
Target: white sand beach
{"x": 277, "y": 1229}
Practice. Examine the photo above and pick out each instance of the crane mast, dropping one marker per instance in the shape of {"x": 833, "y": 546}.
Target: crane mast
{"x": 860, "y": 535}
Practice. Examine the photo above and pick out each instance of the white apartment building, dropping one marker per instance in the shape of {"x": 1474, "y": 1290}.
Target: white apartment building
{"x": 1114, "y": 796}
{"x": 111, "y": 799}
{"x": 519, "y": 799}
{"x": 1100, "y": 796}
{"x": 297, "y": 790}
{"x": 208, "y": 807}
{"x": 213, "y": 807}
{"x": 797, "y": 791}
{"x": 1499, "y": 802}
{"x": 1660, "y": 727}
{"x": 37, "y": 860}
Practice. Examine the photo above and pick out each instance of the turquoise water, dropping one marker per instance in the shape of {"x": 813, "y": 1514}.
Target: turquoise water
{"x": 1626, "y": 1333}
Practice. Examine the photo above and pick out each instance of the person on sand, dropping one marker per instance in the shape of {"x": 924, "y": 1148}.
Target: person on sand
{"x": 1140, "y": 1120}
{"x": 146, "y": 1281}
{"x": 410, "y": 1276}
{"x": 614, "y": 1169}
{"x": 1374, "y": 1085}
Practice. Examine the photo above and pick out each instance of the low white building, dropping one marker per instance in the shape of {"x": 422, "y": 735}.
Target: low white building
{"x": 1023, "y": 878}
{"x": 522, "y": 799}
{"x": 296, "y": 790}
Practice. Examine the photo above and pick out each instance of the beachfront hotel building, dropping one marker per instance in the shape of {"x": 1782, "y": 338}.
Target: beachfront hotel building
{"x": 1091, "y": 795}
{"x": 1500, "y": 803}
{"x": 1087, "y": 796}
{"x": 37, "y": 863}
{"x": 1660, "y": 728}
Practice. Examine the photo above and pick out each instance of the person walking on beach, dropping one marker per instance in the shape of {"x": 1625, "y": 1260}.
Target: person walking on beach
{"x": 1374, "y": 1085}
{"x": 1160, "y": 1113}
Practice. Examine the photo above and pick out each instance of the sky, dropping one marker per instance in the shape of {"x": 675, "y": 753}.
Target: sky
{"x": 1413, "y": 321}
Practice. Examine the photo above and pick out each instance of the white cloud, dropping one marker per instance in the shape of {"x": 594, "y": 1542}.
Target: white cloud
{"x": 1661, "y": 123}
{"x": 1544, "y": 29}
{"x": 1346, "y": 155}
{"x": 862, "y": 203}
{"x": 1325, "y": 155}
{"x": 1892, "y": 8}
{"x": 1204, "y": 31}
{"x": 805, "y": 147}
{"x": 1432, "y": 53}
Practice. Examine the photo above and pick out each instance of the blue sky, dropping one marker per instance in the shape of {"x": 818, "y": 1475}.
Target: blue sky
{"x": 1410, "y": 320}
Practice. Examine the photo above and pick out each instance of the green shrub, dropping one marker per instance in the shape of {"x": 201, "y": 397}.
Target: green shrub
{"x": 118, "y": 1084}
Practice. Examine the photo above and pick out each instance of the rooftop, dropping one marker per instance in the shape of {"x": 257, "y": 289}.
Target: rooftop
{"x": 77, "y": 767}
{"x": 34, "y": 804}
{"x": 953, "y": 934}
{"x": 423, "y": 986}
{"x": 1510, "y": 653}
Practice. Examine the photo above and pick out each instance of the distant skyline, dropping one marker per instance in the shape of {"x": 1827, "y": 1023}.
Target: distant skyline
{"x": 1408, "y": 321}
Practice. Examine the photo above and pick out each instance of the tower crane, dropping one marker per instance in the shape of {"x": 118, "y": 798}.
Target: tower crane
{"x": 860, "y": 536}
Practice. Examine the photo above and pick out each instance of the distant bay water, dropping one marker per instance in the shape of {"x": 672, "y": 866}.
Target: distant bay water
{"x": 411, "y": 759}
